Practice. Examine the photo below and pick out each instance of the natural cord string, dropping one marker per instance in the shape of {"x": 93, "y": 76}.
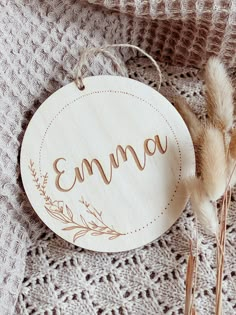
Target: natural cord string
{"x": 104, "y": 50}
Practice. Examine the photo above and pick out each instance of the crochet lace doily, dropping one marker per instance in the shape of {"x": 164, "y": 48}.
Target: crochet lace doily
{"x": 61, "y": 278}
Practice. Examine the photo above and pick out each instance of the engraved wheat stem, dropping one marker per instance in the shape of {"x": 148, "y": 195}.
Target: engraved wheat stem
{"x": 41, "y": 188}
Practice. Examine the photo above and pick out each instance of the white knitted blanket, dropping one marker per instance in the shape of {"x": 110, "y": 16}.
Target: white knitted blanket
{"x": 40, "y": 42}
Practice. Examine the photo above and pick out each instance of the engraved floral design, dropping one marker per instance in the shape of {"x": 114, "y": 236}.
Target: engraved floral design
{"x": 61, "y": 212}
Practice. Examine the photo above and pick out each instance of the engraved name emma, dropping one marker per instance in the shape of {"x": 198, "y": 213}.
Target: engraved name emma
{"x": 122, "y": 154}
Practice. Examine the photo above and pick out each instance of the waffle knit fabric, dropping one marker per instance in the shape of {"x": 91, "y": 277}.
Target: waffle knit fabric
{"x": 40, "y": 44}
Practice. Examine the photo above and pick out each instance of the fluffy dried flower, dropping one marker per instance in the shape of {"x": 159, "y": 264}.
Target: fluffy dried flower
{"x": 213, "y": 162}
{"x": 219, "y": 95}
{"x": 202, "y": 207}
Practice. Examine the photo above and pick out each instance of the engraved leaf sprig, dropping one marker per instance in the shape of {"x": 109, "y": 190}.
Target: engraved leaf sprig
{"x": 100, "y": 227}
{"x": 62, "y": 212}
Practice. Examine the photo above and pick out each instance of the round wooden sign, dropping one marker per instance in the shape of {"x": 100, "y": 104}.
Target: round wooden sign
{"x": 103, "y": 167}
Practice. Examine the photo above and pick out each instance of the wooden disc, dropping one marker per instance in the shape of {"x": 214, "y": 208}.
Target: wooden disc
{"x": 104, "y": 167}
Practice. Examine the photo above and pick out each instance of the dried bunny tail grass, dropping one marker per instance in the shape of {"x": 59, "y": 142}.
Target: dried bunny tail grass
{"x": 219, "y": 95}
{"x": 194, "y": 125}
{"x": 201, "y": 205}
{"x": 213, "y": 163}
{"x": 232, "y": 145}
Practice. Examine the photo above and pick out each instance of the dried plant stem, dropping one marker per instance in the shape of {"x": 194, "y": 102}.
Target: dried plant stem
{"x": 232, "y": 145}
{"x": 191, "y": 277}
{"x": 194, "y": 312}
{"x": 221, "y": 254}
{"x": 221, "y": 245}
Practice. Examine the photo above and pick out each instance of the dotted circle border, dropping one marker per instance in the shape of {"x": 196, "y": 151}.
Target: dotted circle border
{"x": 142, "y": 100}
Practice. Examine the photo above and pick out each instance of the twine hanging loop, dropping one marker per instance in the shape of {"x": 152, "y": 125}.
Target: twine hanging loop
{"x": 105, "y": 51}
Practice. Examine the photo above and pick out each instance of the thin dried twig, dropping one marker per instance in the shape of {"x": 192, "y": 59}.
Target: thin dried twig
{"x": 221, "y": 254}
{"x": 221, "y": 244}
{"x": 190, "y": 283}
{"x": 232, "y": 145}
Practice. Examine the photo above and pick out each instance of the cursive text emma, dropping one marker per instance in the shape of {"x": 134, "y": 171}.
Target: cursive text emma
{"x": 150, "y": 147}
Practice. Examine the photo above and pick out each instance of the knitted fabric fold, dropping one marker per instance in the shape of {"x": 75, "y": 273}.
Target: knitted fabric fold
{"x": 183, "y": 32}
